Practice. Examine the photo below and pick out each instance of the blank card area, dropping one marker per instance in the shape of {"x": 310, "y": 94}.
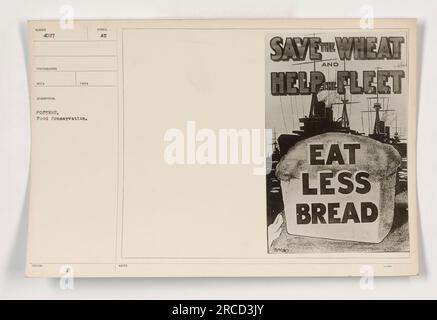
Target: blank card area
{"x": 216, "y": 79}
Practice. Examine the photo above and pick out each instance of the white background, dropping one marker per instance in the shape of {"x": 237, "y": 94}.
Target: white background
{"x": 15, "y": 142}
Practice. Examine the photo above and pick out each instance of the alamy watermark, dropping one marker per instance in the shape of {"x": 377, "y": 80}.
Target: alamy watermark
{"x": 205, "y": 146}
{"x": 66, "y": 280}
{"x": 368, "y": 277}
{"x": 367, "y": 17}
{"x": 66, "y": 19}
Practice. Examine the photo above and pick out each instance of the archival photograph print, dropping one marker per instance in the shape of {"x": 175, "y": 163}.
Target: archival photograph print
{"x": 336, "y": 106}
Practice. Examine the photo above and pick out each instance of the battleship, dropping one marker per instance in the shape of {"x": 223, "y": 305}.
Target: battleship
{"x": 319, "y": 120}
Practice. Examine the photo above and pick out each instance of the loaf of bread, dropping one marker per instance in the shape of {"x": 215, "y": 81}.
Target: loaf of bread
{"x": 339, "y": 186}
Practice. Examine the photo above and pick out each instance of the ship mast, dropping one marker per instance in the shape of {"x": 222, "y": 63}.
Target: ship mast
{"x": 274, "y": 142}
{"x": 381, "y": 132}
{"x": 345, "y": 124}
{"x": 344, "y": 116}
{"x": 377, "y": 107}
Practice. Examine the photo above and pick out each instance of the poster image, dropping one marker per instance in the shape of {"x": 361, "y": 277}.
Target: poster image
{"x": 336, "y": 103}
